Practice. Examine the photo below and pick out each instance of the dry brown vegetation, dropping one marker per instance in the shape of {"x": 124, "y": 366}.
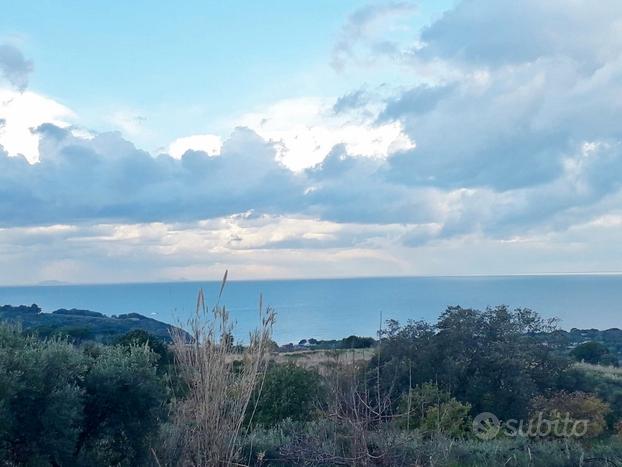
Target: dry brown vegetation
{"x": 322, "y": 360}
{"x": 208, "y": 420}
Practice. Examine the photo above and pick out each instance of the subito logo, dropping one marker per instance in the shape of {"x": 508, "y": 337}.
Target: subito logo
{"x": 486, "y": 426}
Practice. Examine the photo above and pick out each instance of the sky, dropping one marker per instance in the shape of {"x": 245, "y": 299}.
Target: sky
{"x": 151, "y": 141}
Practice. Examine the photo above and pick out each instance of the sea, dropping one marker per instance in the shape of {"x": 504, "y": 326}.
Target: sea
{"x": 336, "y": 308}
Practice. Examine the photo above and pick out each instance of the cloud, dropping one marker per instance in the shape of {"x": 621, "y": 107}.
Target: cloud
{"x": 369, "y": 27}
{"x": 351, "y": 101}
{"x": 304, "y": 131}
{"x": 210, "y": 144}
{"x": 508, "y": 151}
{"x": 250, "y": 246}
{"x": 21, "y": 112}
{"x": 497, "y": 33}
{"x": 106, "y": 178}
{"x": 14, "y": 68}
{"x": 527, "y": 98}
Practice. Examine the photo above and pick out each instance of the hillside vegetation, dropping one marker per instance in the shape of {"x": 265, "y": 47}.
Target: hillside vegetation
{"x": 416, "y": 397}
{"x": 82, "y": 324}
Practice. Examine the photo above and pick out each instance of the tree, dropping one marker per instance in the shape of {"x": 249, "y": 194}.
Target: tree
{"x": 356, "y": 342}
{"x": 40, "y": 399}
{"x": 124, "y": 402}
{"x": 288, "y": 391}
{"x": 139, "y": 337}
{"x": 493, "y": 359}
{"x": 592, "y": 352}
{"x": 63, "y": 405}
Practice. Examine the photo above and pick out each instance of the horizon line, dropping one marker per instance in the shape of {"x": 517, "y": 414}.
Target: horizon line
{"x": 52, "y": 283}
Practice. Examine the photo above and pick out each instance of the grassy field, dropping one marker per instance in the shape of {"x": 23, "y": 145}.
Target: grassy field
{"x": 609, "y": 372}
{"x": 323, "y": 358}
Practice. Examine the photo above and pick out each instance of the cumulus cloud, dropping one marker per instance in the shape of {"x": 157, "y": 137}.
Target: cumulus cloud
{"x": 20, "y": 113}
{"x": 14, "y": 67}
{"x": 538, "y": 83}
{"x": 514, "y": 147}
{"x": 107, "y": 178}
{"x": 304, "y": 131}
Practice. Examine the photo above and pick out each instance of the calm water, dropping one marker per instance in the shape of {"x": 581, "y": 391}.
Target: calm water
{"x": 336, "y": 308}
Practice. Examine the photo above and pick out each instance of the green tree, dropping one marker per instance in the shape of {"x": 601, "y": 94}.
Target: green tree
{"x": 124, "y": 402}
{"x": 40, "y": 399}
{"x": 140, "y": 337}
{"x": 288, "y": 391}
{"x": 592, "y": 352}
{"x": 494, "y": 359}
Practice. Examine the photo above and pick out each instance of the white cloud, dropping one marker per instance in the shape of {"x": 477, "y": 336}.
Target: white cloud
{"x": 304, "y": 130}
{"x": 210, "y": 144}
{"x": 24, "y": 111}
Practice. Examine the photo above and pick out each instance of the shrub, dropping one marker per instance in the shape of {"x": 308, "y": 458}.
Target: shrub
{"x": 593, "y": 352}
{"x": 124, "y": 404}
{"x": 40, "y": 399}
{"x": 62, "y": 406}
{"x": 576, "y": 406}
{"x": 356, "y": 342}
{"x": 140, "y": 337}
{"x": 432, "y": 410}
{"x": 288, "y": 391}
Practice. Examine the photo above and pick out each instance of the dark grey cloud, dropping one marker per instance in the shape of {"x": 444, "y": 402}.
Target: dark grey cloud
{"x": 346, "y": 188}
{"x": 14, "y": 67}
{"x": 107, "y": 179}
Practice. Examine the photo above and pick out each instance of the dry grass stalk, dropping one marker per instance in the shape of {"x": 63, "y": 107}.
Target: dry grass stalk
{"x": 210, "y": 417}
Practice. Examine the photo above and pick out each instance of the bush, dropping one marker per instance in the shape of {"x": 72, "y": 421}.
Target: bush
{"x": 123, "y": 406}
{"x": 62, "y": 406}
{"x": 40, "y": 399}
{"x": 288, "y": 391}
{"x": 138, "y": 337}
{"x": 576, "y": 406}
{"x": 593, "y": 352}
{"x": 432, "y": 410}
{"x": 356, "y": 342}
{"x": 323, "y": 443}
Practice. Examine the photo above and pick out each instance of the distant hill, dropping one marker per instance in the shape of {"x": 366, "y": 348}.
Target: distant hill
{"x": 82, "y": 324}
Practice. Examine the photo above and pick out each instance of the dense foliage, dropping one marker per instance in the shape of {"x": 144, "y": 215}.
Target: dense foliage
{"x": 495, "y": 359}
{"x": 594, "y": 352}
{"x": 288, "y": 392}
{"x": 62, "y": 405}
{"x": 408, "y": 398}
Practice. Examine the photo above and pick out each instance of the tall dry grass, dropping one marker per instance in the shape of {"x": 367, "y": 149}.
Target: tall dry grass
{"x": 210, "y": 417}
